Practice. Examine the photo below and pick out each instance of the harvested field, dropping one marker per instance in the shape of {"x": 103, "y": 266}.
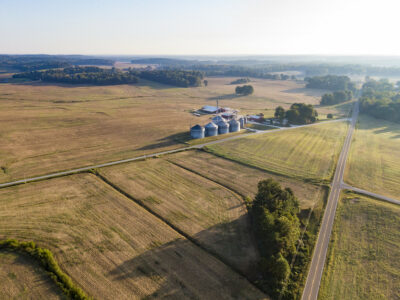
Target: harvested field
{"x": 48, "y": 127}
{"x": 22, "y": 278}
{"x": 305, "y": 153}
{"x": 374, "y": 163}
{"x": 364, "y": 254}
{"x": 201, "y": 208}
{"x": 110, "y": 246}
{"x": 241, "y": 178}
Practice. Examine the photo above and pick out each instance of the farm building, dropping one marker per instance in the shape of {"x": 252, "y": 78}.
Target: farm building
{"x": 210, "y": 109}
{"x": 234, "y": 125}
{"x": 197, "y": 132}
{"x": 223, "y": 127}
{"x": 211, "y": 129}
{"x": 255, "y": 118}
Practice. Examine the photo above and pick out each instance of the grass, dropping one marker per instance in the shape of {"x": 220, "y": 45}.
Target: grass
{"x": 208, "y": 212}
{"x": 364, "y": 255}
{"x": 110, "y": 246}
{"x": 241, "y": 178}
{"x": 306, "y": 153}
{"x": 259, "y": 126}
{"x": 374, "y": 162}
{"x": 49, "y": 127}
{"x": 22, "y": 278}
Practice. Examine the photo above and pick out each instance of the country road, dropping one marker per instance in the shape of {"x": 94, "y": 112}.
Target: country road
{"x": 107, "y": 164}
{"x": 311, "y": 288}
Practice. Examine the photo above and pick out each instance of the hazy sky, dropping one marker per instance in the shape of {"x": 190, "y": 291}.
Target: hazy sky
{"x": 200, "y": 27}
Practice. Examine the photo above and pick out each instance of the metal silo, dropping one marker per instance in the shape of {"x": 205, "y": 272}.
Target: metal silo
{"x": 223, "y": 127}
{"x": 234, "y": 126}
{"x": 242, "y": 122}
{"x": 217, "y": 119}
{"x": 197, "y": 132}
{"x": 211, "y": 129}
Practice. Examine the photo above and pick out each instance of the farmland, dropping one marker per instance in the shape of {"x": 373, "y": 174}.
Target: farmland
{"x": 48, "y": 127}
{"x": 374, "y": 162}
{"x": 241, "y": 178}
{"x": 112, "y": 247}
{"x": 364, "y": 259}
{"x": 306, "y": 153}
{"x": 203, "y": 209}
{"x": 23, "y": 278}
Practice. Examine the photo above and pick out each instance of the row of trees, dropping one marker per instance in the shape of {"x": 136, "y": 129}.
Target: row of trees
{"x": 241, "y": 80}
{"x": 299, "y": 113}
{"x": 336, "y": 97}
{"x": 330, "y": 82}
{"x": 274, "y": 214}
{"x": 82, "y": 75}
{"x": 179, "y": 78}
{"x": 381, "y": 100}
{"x": 244, "y": 90}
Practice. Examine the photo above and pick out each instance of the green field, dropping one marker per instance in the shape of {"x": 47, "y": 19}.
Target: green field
{"x": 203, "y": 209}
{"x": 111, "y": 247}
{"x": 240, "y": 178}
{"x": 364, "y": 258}
{"x": 374, "y": 163}
{"x": 306, "y": 153}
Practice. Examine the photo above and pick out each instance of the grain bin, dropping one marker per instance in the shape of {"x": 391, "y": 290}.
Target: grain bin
{"x": 217, "y": 119}
{"x": 242, "y": 122}
{"x": 211, "y": 129}
{"x": 223, "y": 127}
{"x": 197, "y": 132}
{"x": 234, "y": 126}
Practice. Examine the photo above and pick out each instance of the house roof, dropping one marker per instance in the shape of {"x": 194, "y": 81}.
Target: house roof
{"x": 209, "y": 108}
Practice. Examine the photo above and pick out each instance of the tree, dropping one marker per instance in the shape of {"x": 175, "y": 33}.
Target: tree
{"x": 279, "y": 113}
{"x": 244, "y": 90}
{"x": 329, "y": 116}
{"x": 205, "y": 82}
{"x": 301, "y": 113}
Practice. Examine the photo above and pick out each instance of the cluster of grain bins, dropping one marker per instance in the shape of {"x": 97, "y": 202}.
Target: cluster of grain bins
{"x": 216, "y": 127}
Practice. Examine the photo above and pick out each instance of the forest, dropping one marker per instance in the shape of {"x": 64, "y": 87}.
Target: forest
{"x": 330, "y": 82}
{"x": 179, "y": 78}
{"x": 381, "y": 99}
{"x": 336, "y": 97}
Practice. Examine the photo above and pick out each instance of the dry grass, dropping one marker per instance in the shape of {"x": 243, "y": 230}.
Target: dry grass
{"x": 241, "y": 178}
{"x": 374, "y": 162}
{"x": 208, "y": 212}
{"x": 364, "y": 259}
{"x": 306, "y": 153}
{"x": 46, "y": 128}
{"x": 110, "y": 246}
{"x": 23, "y": 278}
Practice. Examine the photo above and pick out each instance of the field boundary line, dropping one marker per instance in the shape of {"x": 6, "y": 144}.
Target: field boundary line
{"x": 370, "y": 194}
{"x": 176, "y": 229}
{"x": 132, "y": 159}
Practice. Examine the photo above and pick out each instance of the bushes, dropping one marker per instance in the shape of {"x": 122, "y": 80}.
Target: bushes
{"x": 336, "y": 98}
{"x": 244, "y": 90}
{"x": 47, "y": 261}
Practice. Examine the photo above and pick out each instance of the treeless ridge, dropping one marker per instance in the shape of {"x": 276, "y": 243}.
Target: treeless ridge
{"x": 112, "y": 247}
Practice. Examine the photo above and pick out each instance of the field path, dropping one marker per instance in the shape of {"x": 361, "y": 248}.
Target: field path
{"x": 87, "y": 168}
{"x": 311, "y": 288}
{"x": 367, "y": 193}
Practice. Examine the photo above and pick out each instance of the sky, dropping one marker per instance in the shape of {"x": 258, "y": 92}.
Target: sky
{"x": 206, "y": 27}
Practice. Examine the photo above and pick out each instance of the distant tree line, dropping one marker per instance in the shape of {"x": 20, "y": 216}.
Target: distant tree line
{"x": 381, "y": 100}
{"x": 179, "y": 78}
{"x": 330, "y": 82}
{"x": 336, "y": 97}
{"x": 241, "y": 80}
{"x": 81, "y": 75}
{"x": 25, "y": 63}
{"x": 299, "y": 114}
{"x": 244, "y": 90}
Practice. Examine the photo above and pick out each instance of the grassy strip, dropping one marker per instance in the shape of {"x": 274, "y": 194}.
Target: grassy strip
{"x": 47, "y": 261}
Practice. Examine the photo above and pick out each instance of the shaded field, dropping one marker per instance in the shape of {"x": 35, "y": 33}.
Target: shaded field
{"x": 51, "y": 127}
{"x": 22, "y": 278}
{"x": 203, "y": 209}
{"x": 240, "y": 178}
{"x": 110, "y": 246}
{"x": 374, "y": 163}
{"x": 307, "y": 153}
{"x": 364, "y": 254}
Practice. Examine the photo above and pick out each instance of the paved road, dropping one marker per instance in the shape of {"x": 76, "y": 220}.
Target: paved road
{"x": 73, "y": 171}
{"x": 364, "y": 192}
{"x": 311, "y": 288}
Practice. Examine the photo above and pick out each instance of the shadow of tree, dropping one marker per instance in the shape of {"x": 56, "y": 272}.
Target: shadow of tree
{"x": 182, "y": 270}
{"x": 224, "y": 97}
{"x": 171, "y": 140}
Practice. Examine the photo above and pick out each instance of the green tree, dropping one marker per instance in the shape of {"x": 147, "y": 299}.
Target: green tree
{"x": 205, "y": 82}
{"x": 279, "y": 113}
